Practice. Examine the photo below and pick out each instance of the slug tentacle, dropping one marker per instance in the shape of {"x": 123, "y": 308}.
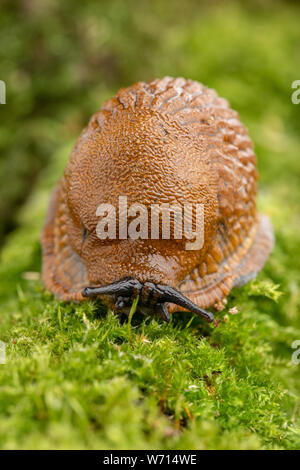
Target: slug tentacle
{"x": 163, "y": 312}
{"x": 151, "y": 295}
{"x": 169, "y": 294}
{"x": 123, "y": 288}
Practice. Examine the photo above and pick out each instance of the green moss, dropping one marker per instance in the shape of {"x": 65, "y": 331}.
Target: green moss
{"x": 80, "y": 377}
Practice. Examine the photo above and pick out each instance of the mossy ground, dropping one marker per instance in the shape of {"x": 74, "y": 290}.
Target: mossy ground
{"x": 77, "y": 376}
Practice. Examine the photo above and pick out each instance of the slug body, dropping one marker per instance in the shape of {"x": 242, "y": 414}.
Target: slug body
{"x": 167, "y": 141}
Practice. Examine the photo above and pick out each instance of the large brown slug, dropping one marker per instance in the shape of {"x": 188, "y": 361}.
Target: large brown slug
{"x": 167, "y": 141}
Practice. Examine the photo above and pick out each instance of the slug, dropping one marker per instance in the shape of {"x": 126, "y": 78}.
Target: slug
{"x": 163, "y": 144}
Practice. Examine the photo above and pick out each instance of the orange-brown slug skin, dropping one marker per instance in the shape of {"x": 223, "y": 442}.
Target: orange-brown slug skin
{"x": 167, "y": 141}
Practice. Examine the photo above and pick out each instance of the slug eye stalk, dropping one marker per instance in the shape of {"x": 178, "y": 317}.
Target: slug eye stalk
{"x": 150, "y": 295}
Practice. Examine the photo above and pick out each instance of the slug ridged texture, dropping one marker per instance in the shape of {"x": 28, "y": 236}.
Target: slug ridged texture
{"x": 169, "y": 140}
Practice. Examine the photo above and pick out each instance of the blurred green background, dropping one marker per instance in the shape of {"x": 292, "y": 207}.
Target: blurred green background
{"x": 60, "y": 61}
